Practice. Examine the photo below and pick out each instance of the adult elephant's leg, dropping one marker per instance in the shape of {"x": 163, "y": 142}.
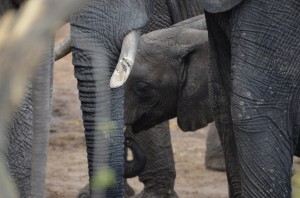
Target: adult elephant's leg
{"x": 159, "y": 174}
{"x": 97, "y": 32}
{"x": 265, "y": 97}
{"x": 19, "y": 147}
{"x": 19, "y": 136}
{"x": 214, "y": 155}
{"x": 219, "y": 87}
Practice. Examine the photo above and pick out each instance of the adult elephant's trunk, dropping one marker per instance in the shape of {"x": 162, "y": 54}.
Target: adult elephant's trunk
{"x": 97, "y": 32}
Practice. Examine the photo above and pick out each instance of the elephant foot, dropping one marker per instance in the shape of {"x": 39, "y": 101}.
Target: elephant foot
{"x": 154, "y": 193}
{"x": 215, "y": 163}
{"x": 85, "y": 191}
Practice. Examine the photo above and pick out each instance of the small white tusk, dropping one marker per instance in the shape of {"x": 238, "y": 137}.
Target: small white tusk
{"x": 126, "y": 59}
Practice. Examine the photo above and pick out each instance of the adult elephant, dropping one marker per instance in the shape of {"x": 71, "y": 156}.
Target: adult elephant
{"x": 254, "y": 75}
{"x": 96, "y": 36}
{"x": 97, "y": 32}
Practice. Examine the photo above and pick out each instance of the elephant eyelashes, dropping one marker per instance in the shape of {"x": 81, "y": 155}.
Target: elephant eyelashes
{"x": 146, "y": 93}
{"x": 143, "y": 90}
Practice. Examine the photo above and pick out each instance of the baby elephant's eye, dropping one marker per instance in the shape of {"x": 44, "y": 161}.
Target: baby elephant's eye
{"x": 141, "y": 89}
{"x": 146, "y": 93}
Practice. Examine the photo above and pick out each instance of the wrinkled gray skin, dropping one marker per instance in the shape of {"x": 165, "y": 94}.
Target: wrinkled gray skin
{"x": 254, "y": 89}
{"x": 19, "y": 147}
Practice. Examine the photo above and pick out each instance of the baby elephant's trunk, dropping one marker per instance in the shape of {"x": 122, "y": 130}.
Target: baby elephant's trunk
{"x": 135, "y": 166}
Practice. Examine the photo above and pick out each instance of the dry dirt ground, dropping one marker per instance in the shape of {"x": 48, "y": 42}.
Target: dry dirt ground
{"x": 67, "y": 164}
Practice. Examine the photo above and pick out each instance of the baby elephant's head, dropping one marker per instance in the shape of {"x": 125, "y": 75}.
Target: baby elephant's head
{"x": 169, "y": 79}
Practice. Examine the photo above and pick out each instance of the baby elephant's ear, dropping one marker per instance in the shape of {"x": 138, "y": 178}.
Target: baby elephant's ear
{"x": 190, "y": 39}
{"x": 193, "y": 107}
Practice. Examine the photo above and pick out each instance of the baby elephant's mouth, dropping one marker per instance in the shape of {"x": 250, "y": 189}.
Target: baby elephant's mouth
{"x": 139, "y": 125}
{"x": 136, "y": 128}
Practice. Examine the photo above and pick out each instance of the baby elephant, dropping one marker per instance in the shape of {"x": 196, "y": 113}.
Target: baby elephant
{"x": 169, "y": 78}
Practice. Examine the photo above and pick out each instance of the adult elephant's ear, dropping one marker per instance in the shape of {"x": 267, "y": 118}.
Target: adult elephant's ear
{"x": 193, "y": 108}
